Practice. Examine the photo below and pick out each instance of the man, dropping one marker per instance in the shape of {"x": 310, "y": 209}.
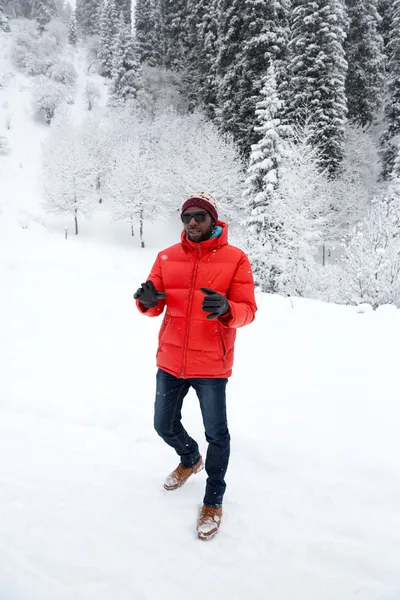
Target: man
{"x": 208, "y": 289}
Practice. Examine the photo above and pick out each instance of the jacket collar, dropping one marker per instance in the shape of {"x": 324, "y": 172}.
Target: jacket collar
{"x": 209, "y": 244}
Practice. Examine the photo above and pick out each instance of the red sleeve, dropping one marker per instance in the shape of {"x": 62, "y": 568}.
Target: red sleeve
{"x": 156, "y": 277}
{"x": 242, "y": 303}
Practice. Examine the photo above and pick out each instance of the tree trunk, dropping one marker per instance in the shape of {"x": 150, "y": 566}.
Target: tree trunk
{"x": 141, "y": 229}
{"x": 76, "y": 221}
{"x": 132, "y": 230}
{"x": 98, "y": 187}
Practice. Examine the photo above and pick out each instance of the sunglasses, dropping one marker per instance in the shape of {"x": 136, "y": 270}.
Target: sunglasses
{"x": 199, "y": 217}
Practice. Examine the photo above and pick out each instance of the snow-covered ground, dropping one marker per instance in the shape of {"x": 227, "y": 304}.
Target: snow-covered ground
{"x": 314, "y": 483}
{"x": 312, "y": 507}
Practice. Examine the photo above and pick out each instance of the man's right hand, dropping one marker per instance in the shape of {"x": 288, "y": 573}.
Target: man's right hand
{"x": 148, "y": 295}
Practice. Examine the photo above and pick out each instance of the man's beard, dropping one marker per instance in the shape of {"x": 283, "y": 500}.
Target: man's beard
{"x": 205, "y": 236}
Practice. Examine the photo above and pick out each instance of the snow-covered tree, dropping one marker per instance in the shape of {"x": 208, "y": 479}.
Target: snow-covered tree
{"x": 371, "y": 260}
{"x": 366, "y": 61}
{"x": 57, "y": 32}
{"x": 300, "y": 209}
{"x": 190, "y": 82}
{"x": 91, "y": 93}
{"x": 174, "y": 16}
{"x": 108, "y": 31}
{"x": 192, "y": 154}
{"x": 126, "y": 73}
{"x": 208, "y": 36}
{"x": 87, "y": 16}
{"x": 251, "y": 36}
{"x": 131, "y": 186}
{"x": 390, "y": 137}
{"x": 124, "y": 7}
{"x": 72, "y": 31}
{"x": 20, "y": 8}
{"x": 63, "y": 72}
{"x": 32, "y": 53}
{"x": 149, "y": 31}
{"x": 47, "y": 97}
{"x": 3, "y": 18}
{"x": 294, "y": 222}
{"x": 356, "y": 184}
{"x": 188, "y": 153}
{"x": 231, "y": 38}
{"x": 43, "y": 11}
{"x": 96, "y": 135}
{"x": 317, "y": 75}
{"x": 67, "y": 170}
{"x": 267, "y": 27}
{"x": 263, "y": 180}
{"x": 384, "y": 9}
{"x": 199, "y": 78}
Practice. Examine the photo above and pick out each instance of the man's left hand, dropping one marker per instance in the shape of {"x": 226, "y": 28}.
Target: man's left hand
{"x": 214, "y": 303}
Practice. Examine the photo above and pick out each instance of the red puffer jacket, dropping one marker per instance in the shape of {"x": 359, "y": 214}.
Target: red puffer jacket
{"x": 189, "y": 344}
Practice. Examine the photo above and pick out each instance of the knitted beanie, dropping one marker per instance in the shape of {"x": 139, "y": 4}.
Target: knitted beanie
{"x": 202, "y": 200}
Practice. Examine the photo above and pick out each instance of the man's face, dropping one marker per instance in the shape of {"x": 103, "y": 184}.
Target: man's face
{"x": 198, "y": 229}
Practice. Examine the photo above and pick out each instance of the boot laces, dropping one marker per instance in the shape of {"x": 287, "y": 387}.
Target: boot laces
{"x": 208, "y": 514}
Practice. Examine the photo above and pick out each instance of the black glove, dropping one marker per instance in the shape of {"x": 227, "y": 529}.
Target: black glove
{"x": 148, "y": 295}
{"x": 214, "y": 303}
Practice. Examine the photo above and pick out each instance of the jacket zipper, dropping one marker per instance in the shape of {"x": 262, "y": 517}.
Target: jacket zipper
{"x": 223, "y": 343}
{"x": 185, "y": 345}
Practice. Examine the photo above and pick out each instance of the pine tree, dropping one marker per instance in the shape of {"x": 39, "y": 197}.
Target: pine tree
{"x": 229, "y": 69}
{"x": 125, "y": 7}
{"x": 267, "y": 27}
{"x": 252, "y": 35}
{"x": 43, "y": 11}
{"x": 396, "y": 167}
{"x": 149, "y": 35}
{"x": 262, "y": 182}
{"x": 384, "y": 9}
{"x": 208, "y": 33}
{"x": 108, "y": 32}
{"x": 87, "y": 15}
{"x": 21, "y": 8}
{"x": 392, "y": 104}
{"x": 126, "y": 75}
{"x": 317, "y": 75}
{"x": 72, "y": 31}
{"x": 191, "y": 78}
{"x": 79, "y": 9}
{"x": 199, "y": 85}
{"x": 366, "y": 64}
{"x": 174, "y": 15}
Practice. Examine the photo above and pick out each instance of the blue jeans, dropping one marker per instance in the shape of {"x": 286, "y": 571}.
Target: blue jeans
{"x": 167, "y": 422}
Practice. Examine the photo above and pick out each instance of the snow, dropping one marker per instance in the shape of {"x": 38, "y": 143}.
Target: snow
{"x": 313, "y": 486}
{"x": 311, "y": 508}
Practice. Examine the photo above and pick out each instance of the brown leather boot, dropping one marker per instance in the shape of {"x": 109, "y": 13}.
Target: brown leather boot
{"x": 209, "y": 522}
{"x": 181, "y": 474}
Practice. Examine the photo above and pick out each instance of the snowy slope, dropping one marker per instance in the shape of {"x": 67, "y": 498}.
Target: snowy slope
{"x": 312, "y": 504}
{"x": 20, "y": 171}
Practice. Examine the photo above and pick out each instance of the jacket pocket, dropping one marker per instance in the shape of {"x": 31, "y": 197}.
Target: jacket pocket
{"x": 223, "y": 343}
{"x": 166, "y": 323}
